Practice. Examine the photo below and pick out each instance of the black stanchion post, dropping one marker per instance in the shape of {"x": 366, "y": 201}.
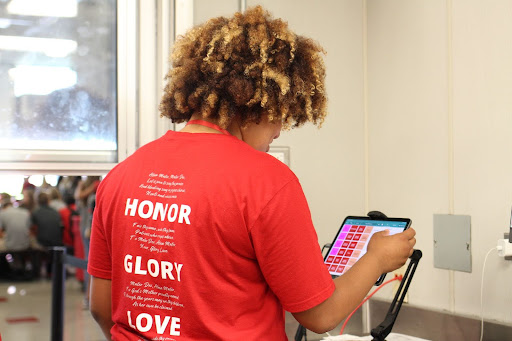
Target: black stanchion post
{"x": 58, "y": 279}
{"x": 301, "y": 333}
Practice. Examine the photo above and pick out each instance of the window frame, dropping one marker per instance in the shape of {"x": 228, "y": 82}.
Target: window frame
{"x": 71, "y": 162}
{"x": 146, "y": 30}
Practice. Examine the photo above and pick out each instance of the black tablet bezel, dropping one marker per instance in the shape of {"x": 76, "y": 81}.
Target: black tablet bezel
{"x": 383, "y": 219}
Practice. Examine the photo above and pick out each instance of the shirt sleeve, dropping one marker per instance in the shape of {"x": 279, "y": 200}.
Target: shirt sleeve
{"x": 286, "y": 246}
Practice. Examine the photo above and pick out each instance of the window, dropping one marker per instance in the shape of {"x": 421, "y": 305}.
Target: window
{"x": 58, "y": 79}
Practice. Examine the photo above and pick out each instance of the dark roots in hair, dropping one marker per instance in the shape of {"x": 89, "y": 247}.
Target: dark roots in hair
{"x": 246, "y": 66}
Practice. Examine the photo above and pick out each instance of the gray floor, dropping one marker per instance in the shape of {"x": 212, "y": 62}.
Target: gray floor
{"x": 31, "y": 302}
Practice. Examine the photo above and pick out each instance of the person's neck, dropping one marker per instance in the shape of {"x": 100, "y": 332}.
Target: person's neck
{"x": 233, "y": 128}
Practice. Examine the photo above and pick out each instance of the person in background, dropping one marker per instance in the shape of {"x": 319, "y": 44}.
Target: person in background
{"x": 28, "y": 202}
{"x": 85, "y": 196}
{"x": 66, "y": 214}
{"x": 47, "y": 222}
{"x": 67, "y": 185}
{"x": 202, "y": 235}
{"x": 27, "y": 185}
{"x": 14, "y": 225}
{"x": 48, "y": 225}
{"x": 14, "y": 236}
{"x": 56, "y": 201}
{"x": 28, "y": 192}
{"x": 45, "y": 186}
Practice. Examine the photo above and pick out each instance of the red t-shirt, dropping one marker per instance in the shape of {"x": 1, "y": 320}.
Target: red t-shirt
{"x": 205, "y": 238}
{"x": 67, "y": 233}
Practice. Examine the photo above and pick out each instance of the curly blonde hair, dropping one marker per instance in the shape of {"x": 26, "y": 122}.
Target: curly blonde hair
{"x": 246, "y": 66}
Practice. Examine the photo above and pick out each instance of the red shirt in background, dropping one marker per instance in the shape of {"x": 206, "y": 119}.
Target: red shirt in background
{"x": 65, "y": 215}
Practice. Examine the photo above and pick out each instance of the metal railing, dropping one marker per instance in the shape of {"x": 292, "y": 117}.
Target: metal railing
{"x": 60, "y": 258}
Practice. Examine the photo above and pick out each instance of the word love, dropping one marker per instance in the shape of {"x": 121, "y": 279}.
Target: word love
{"x": 144, "y": 323}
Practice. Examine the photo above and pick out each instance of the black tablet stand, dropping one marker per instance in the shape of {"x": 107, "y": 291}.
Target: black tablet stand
{"x": 384, "y": 328}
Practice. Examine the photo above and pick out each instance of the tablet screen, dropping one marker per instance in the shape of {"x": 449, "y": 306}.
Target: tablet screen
{"x": 352, "y": 239}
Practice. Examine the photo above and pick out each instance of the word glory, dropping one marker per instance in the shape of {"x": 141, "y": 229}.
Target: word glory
{"x": 153, "y": 267}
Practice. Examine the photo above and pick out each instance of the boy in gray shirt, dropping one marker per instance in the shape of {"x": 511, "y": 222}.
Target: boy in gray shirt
{"x": 14, "y": 225}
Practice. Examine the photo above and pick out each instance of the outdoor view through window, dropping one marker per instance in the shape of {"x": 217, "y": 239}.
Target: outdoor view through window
{"x": 58, "y": 88}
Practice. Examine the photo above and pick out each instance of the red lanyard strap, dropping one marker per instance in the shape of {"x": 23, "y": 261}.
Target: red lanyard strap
{"x": 209, "y": 125}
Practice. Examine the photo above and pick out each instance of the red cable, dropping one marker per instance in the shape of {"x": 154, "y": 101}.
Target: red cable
{"x": 397, "y": 277}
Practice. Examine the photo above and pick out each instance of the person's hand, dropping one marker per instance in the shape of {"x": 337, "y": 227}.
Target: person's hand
{"x": 392, "y": 251}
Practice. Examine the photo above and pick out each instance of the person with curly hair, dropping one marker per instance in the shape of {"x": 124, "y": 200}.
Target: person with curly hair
{"x": 200, "y": 234}
{"x": 234, "y": 70}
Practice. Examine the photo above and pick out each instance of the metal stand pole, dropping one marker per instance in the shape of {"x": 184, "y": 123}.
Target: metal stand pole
{"x": 301, "y": 333}
{"x": 58, "y": 279}
{"x": 380, "y": 332}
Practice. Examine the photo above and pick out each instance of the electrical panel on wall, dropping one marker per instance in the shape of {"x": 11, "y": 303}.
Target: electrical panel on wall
{"x": 452, "y": 242}
{"x": 281, "y": 153}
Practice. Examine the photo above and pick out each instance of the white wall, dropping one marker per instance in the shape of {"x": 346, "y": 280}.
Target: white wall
{"x": 330, "y": 161}
{"x": 408, "y": 125}
{"x": 440, "y": 121}
{"x": 203, "y": 9}
{"x": 482, "y": 111}
{"x": 439, "y": 128}
{"x": 420, "y": 125}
